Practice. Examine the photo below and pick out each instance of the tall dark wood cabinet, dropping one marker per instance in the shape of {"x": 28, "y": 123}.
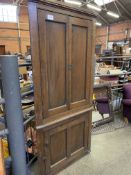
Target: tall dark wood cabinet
{"x": 62, "y": 44}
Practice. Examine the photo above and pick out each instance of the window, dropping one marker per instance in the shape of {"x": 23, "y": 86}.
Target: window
{"x": 28, "y": 49}
{"x": 8, "y": 13}
{"x": 102, "y": 2}
{"x": 98, "y": 49}
{"x": 2, "y": 49}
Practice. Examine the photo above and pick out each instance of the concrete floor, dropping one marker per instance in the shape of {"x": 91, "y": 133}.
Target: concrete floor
{"x": 110, "y": 155}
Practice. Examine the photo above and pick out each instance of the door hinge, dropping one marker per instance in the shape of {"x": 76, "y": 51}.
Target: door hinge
{"x": 44, "y": 158}
{"x": 70, "y": 66}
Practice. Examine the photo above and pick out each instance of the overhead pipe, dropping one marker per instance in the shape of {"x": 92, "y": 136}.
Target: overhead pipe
{"x": 107, "y": 36}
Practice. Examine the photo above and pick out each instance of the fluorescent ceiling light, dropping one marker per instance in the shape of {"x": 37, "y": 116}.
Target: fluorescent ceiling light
{"x": 113, "y": 14}
{"x": 98, "y": 24}
{"x": 73, "y": 2}
{"x": 94, "y": 7}
{"x": 102, "y": 2}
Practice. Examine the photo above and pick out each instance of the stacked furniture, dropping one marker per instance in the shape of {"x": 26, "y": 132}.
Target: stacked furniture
{"x": 116, "y": 70}
{"x": 62, "y": 44}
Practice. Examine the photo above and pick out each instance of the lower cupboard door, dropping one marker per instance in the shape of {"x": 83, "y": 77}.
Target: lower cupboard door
{"x": 66, "y": 143}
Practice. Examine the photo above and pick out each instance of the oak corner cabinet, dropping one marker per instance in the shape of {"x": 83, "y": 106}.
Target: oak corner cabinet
{"x": 62, "y": 46}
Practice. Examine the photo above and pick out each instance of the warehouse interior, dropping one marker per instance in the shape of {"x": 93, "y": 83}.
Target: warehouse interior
{"x": 65, "y": 87}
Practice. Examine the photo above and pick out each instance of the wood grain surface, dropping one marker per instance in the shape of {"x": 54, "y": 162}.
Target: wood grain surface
{"x": 2, "y": 167}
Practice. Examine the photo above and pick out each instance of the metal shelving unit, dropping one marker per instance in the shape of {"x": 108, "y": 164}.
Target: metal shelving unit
{"x": 116, "y": 88}
{"x": 14, "y": 116}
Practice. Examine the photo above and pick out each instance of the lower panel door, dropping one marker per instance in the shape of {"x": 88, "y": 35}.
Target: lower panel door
{"x": 67, "y": 143}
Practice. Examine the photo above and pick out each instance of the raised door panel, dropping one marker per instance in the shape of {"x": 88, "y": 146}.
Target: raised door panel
{"x": 58, "y": 146}
{"x": 53, "y": 32}
{"x": 77, "y": 137}
{"x": 78, "y": 74}
{"x": 56, "y": 63}
{"x": 57, "y": 151}
{"x": 79, "y": 60}
{"x": 78, "y": 134}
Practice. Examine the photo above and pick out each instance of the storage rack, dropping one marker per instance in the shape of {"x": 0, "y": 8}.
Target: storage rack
{"x": 14, "y": 114}
{"x": 119, "y": 59}
{"x": 116, "y": 89}
{"x": 112, "y": 75}
{"x": 114, "y": 94}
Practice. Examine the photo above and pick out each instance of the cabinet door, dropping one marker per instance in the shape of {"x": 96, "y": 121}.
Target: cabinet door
{"x": 80, "y": 65}
{"x": 66, "y": 143}
{"x": 53, "y": 33}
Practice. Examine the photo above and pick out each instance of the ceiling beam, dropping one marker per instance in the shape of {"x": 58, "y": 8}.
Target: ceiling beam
{"x": 124, "y": 9}
{"x": 103, "y": 19}
{"x": 18, "y": 2}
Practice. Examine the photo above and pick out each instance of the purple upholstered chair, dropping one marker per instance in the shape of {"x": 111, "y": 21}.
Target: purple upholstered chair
{"x": 102, "y": 104}
{"x": 127, "y": 101}
{"x": 102, "y": 101}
